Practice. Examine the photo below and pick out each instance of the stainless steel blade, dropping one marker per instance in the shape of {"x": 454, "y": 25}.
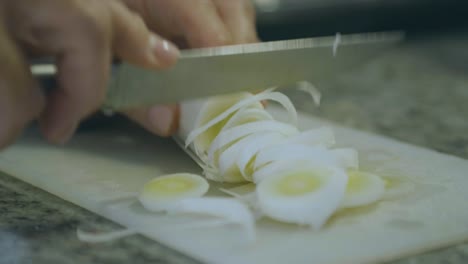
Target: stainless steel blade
{"x": 250, "y": 67}
{"x": 247, "y": 67}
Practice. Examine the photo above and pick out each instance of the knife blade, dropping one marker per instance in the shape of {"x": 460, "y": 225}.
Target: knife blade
{"x": 246, "y": 67}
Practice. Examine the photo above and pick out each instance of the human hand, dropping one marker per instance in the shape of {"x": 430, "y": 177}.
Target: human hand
{"x": 83, "y": 36}
{"x": 193, "y": 24}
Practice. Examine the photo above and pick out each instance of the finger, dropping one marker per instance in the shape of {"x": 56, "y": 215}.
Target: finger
{"x": 161, "y": 120}
{"x": 198, "y": 22}
{"x": 77, "y": 34}
{"x": 20, "y": 98}
{"x": 82, "y": 39}
{"x": 239, "y": 18}
{"x": 202, "y": 25}
{"x": 82, "y": 34}
{"x": 135, "y": 44}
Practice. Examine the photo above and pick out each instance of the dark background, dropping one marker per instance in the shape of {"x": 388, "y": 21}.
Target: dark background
{"x": 308, "y": 18}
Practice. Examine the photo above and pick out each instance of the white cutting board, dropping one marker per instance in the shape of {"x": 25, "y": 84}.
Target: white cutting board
{"x": 98, "y": 170}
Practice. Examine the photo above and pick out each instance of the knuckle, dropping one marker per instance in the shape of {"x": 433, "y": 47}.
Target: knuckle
{"x": 136, "y": 20}
{"x": 201, "y": 24}
{"x": 216, "y": 38}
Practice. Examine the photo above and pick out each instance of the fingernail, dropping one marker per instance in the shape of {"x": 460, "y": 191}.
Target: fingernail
{"x": 162, "y": 52}
{"x": 161, "y": 119}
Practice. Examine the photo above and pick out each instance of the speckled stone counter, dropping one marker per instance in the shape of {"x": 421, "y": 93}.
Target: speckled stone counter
{"x": 417, "y": 93}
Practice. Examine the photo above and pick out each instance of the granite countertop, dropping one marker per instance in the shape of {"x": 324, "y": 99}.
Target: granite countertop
{"x": 416, "y": 93}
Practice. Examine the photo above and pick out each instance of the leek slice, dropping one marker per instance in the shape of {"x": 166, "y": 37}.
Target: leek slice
{"x": 162, "y": 192}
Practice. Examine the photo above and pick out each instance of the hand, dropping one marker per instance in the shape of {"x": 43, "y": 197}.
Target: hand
{"x": 194, "y": 24}
{"x": 82, "y": 35}
{"x": 199, "y": 23}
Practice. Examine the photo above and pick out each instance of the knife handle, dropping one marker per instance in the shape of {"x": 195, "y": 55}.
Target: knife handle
{"x": 45, "y": 71}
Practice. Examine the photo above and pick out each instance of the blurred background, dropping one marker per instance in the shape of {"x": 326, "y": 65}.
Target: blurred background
{"x": 284, "y": 19}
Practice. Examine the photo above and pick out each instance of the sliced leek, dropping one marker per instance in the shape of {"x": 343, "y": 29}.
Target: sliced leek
{"x": 297, "y": 176}
{"x": 303, "y": 194}
{"x": 229, "y": 211}
{"x": 363, "y": 188}
{"x": 163, "y": 192}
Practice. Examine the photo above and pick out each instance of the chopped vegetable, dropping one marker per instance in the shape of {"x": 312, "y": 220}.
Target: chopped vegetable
{"x": 290, "y": 153}
{"x": 347, "y": 157}
{"x": 336, "y": 43}
{"x": 363, "y": 188}
{"x": 253, "y": 99}
{"x": 302, "y": 193}
{"x": 234, "y": 160}
{"x": 163, "y": 192}
{"x": 310, "y": 89}
{"x": 230, "y": 211}
{"x": 294, "y": 176}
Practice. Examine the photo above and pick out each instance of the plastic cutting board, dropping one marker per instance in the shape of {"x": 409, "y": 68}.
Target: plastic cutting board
{"x": 101, "y": 170}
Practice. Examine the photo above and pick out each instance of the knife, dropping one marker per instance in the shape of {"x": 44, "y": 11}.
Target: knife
{"x": 247, "y": 67}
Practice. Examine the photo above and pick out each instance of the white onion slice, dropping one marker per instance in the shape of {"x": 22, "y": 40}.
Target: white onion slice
{"x": 294, "y": 152}
{"x": 247, "y": 197}
{"x": 246, "y": 148}
{"x": 348, "y": 157}
{"x": 204, "y": 111}
{"x": 309, "y": 88}
{"x": 266, "y": 95}
{"x": 299, "y": 178}
{"x": 304, "y": 194}
{"x": 231, "y": 210}
{"x": 249, "y": 153}
{"x": 362, "y": 189}
{"x": 336, "y": 43}
{"x": 212, "y": 174}
{"x": 396, "y": 187}
{"x": 245, "y": 114}
{"x": 228, "y": 158}
{"x": 282, "y": 166}
{"x": 162, "y": 192}
{"x": 244, "y": 193}
{"x": 237, "y": 132}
